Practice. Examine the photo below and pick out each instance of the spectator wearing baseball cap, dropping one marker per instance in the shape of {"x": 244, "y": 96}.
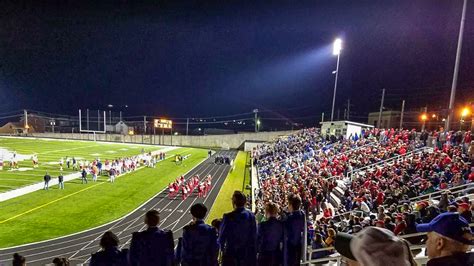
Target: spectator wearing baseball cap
{"x": 449, "y": 237}
{"x": 374, "y": 246}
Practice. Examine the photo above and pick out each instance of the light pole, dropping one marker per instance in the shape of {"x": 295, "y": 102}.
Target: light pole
{"x": 337, "y": 47}
{"x": 456, "y": 69}
{"x": 52, "y": 123}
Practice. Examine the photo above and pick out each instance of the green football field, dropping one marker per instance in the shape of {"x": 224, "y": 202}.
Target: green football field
{"x": 49, "y": 152}
{"x": 79, "y": 206}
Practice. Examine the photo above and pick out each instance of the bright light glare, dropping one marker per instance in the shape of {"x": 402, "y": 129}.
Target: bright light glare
{"x": 465, "y": 112}
{"x": 337, "y": 47}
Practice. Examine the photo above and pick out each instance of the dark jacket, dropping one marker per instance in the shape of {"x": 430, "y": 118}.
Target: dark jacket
{"x": 270, "y": 235}
{"x": 110, "y": 257}
{"x": 152, "y": 247}
{"x": 199, "y": 245}
{"x": 294, "y": 226}
{"x": 238, "y": 238}
{"x": 460, "y": 259}
{"x": 47, "y": 178}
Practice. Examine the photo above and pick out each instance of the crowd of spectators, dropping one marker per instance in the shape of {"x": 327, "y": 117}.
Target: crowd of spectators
{"x": 298, "y": 175}
{"x": 382, "y": 195}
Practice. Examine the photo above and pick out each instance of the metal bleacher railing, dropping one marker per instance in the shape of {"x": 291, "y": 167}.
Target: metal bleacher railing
{"x": 420, "y": 258}
{"x": 389, "y": 160}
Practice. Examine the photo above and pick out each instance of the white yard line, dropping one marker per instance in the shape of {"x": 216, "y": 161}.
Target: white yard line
{"x": 54, "y": 182}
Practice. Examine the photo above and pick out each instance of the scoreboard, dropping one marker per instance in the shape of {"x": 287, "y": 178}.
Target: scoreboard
{"x": 163, "y": 123}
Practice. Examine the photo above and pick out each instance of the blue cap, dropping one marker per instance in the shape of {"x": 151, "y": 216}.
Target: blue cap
{"x": 448, "y": 224}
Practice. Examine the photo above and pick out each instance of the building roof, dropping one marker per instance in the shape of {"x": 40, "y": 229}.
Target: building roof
{"x": 347, "y": 122}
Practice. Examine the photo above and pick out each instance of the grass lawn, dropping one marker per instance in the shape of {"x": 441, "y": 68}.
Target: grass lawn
{"x": 44, "y": 215}
{"x": 238, "y": 179}
{"x": 49, "y": 153}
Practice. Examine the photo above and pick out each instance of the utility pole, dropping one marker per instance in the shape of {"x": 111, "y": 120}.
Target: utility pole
{"x": 80, "y": 121}
{"x": 87, "y": 118}
{"x": 144, "y": 127}
{"x": 322, "y": 117}
{"x": 425, "y": 110}
{"x": 338, "y": 113}
{"x": 26, "y": 126}
{"x": 401, "y": 115}
{"x": 381, "y": 108}
{"x": 187, "y": 126}
{"x": 120, "y": 115}
{"x": 348, "y": 108}
{"x": 456, "y": 69}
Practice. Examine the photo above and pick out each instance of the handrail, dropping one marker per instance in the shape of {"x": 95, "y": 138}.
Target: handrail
{"x": 441, "y": 191}
{"x": 410, "y": 153}
{"x": 417, "y": 198}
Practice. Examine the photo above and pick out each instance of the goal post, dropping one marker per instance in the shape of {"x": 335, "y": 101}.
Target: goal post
{"x": 95, "y": 123}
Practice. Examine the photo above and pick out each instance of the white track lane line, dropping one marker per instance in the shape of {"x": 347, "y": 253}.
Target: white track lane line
{"x": 162, "y": 221}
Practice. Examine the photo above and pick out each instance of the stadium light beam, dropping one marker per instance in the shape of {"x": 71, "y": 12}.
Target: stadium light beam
{"x": 337, "y": 47}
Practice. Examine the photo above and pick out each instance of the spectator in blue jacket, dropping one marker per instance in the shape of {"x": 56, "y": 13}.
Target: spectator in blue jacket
{"x": 199, "y": 242}
{"x": 154, "y": 247}
{"x": 270, "y": 238}
{"x": 110, "y": 255}
{"x": 238, "y": 234}
{"x": 294, "y": 226}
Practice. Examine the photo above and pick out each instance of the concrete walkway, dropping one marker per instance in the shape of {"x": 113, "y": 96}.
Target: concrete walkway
{"x": 54, "y": 181}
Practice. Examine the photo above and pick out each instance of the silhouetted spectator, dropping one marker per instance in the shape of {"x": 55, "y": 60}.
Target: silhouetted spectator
{"x": 199, "y": 242}
{"x": 238, "y": 234}
{"x": 270, "y": 238}
{"x": 110, "y": 253}
{"x": 18, "y": 260}
{"x": 152, "y": 246}
{"x": 294, "y": 226}
{"x": 61, "y": 262}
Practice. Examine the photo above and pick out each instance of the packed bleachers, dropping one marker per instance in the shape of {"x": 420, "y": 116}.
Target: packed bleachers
{"x": 376, "y": 179}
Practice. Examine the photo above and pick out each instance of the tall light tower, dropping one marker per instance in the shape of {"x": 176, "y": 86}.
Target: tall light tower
{"x": 337, "y": 47}
{"x": 456, "y": 69}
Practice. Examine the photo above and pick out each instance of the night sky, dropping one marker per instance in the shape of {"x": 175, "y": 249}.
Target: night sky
{"x": 201, "y": 58}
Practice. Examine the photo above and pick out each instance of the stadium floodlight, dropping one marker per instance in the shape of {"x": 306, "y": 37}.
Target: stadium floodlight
{"x": 423, "y": 117}
{"x": 337, "y": 47}
{"x": 465, "y": 112}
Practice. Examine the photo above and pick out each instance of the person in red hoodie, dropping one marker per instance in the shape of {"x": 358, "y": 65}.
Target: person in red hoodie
{"x": 400, "y": 224}
{"x": 380, "y": 198}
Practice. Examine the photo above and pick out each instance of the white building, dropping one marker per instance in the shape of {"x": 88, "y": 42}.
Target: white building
{"x": 344, "y": 128}
{"x": 119, "y": 128}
